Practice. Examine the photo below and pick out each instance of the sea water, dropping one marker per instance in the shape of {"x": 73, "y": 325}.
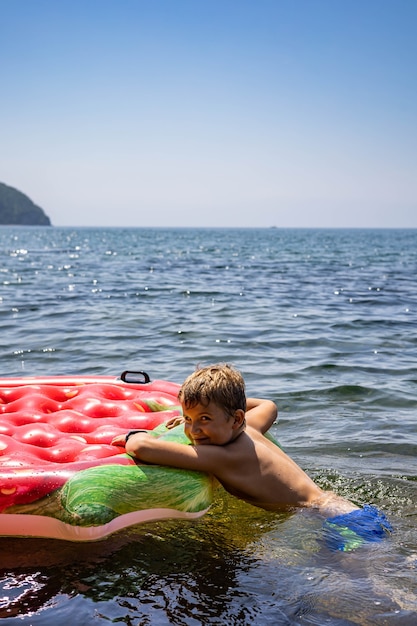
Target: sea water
{"x": 323, "y": 322}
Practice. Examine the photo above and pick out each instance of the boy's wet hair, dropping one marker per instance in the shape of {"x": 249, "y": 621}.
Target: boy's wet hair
{"x": 221, "y": 384}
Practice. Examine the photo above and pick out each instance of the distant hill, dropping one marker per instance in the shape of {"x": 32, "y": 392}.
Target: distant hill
{"x": 16, "y": 208}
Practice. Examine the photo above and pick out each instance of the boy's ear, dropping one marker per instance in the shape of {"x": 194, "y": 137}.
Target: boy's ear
{"x": 238, "y": 418}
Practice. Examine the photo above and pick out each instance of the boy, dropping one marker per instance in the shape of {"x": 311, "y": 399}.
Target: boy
{"x": 226, "y": 431}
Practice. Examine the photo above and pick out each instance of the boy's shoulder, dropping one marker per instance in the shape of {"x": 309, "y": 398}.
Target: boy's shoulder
{"x": 245, "y": 441}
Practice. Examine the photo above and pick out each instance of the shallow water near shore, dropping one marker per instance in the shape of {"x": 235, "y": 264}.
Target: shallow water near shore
{"x": 323, "y": 322}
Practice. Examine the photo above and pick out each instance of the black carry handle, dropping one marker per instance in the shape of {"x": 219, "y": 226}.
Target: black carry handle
{"x": 135, "y": 377}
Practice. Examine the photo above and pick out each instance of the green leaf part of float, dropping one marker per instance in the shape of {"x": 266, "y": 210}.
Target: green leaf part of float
{"x": 98, "y": 495}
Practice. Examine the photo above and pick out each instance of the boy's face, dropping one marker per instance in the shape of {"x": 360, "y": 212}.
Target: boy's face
{"x": 211, "y": 425}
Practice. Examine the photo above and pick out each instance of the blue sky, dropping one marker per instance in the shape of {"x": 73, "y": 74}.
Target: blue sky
{"x": 288, "y": 113}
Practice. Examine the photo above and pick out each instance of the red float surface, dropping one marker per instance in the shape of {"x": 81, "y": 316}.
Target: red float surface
{"x": 51, "y": 428}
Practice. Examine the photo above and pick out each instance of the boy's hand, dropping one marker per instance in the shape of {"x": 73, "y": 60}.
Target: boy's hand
{"x": 120, "y": 440}
{"x": 174, "y": 421}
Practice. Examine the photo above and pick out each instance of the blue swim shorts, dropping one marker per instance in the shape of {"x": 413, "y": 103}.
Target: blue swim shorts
{"x": 351, "y": 530}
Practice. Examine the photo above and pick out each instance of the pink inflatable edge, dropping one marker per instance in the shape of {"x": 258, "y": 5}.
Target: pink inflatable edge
{"x": 38, "y": 526}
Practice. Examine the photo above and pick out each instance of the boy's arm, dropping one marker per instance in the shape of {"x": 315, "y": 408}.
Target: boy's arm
{"x": 260, "y": 414}
{"x": 150, "y": 449}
